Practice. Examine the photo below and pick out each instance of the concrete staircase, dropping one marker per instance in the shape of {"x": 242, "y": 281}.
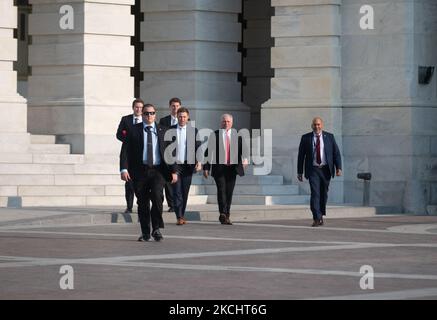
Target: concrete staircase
{"x": 48, "y": 175}
{"x": 254, "y": 190}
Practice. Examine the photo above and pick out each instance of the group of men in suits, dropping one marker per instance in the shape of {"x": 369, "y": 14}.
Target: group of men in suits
{"x": 147, "y": 167}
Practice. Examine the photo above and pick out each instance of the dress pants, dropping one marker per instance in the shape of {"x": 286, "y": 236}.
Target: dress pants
{"x": 169, "y": 194}
{"x": 129, "y": 194}
{"x": 149, "y": 188}
{"x": 225, "y": 183}
{"x": 319, "y": 179}
{"x": 181, "y": 189}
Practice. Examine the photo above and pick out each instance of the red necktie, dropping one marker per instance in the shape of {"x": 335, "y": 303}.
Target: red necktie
{"x": 228, "y": 149}
{"x": 318, "y": 157}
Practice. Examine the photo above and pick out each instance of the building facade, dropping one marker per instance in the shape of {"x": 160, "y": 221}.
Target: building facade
{"x": 273, "y": 64}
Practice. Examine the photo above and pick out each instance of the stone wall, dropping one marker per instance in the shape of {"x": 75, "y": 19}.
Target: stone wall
{"x": 80, "y": 84}
{"x": 191, "y": 52}
{"x": 306, "y": 58}
{"x": 13, "y": 109}
{"x": 388, "y": 118}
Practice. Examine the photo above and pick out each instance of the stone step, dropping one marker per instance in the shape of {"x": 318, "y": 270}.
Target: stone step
{"x": 35, "y": 168}
{"x": 97, "y": 168}
{"x": 102, "y": 158}
{"x": 264, "y": 200}
{"x": 118, "y": 190}
{"x": 68, "y": 201}
{"x": 245, "y": 180}
{"x": 87, "y": 179}
{"x": 241, "y": 213}
{"x": 266, "y": 190}
{"x": 42, "y": 139}
{"x": 8, "y": 191}
{"x": 16, "y": 158}
{"x": 206, "y": 212}
{"x": 58, "y": 158}
{"x": 27, "y": 180}
{"x": 50, "y": 148}
{"x": 61, "y": 191}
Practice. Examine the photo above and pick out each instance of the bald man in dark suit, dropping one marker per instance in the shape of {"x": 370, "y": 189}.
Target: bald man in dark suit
{"x": 320, "y": 156}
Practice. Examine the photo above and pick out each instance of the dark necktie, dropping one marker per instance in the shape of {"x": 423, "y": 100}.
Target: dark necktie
{"x": 149, "y": 146}
{"x": 136, "y": 120}
{"x": 318, "y": 156}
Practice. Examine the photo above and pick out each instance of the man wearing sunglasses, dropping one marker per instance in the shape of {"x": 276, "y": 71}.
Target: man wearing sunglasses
{"x": 142, "y": 161}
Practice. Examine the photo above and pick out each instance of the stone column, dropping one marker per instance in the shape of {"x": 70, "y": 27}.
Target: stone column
{"x": 306, "y": 59}
{"x": 191, "y": 52}
{"x": 13, "y": 110}
{"x": 80, "y": 84}
{"x": 389, "y": 119}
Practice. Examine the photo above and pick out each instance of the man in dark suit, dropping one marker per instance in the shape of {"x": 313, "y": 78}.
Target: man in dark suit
{"x": 142, "y": 161}
{"x": 224, "y": 165}
{"x": 126, "y": 125}
{"x": 168, "y": 121}
{"x": 185, "y": 164}
{"x": 320, "y": 156}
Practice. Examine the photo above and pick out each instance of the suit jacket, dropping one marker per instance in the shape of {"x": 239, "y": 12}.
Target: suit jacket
{"x": 305, "y": 156}
{"x": 165, "y": 121}
{"x": 219, "y": 149}
{"x": 178, "y": 168}
{"x": 126, "y": 124}
{"x": 131, "y": 154}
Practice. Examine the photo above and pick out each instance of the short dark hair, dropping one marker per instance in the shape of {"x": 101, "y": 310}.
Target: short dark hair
{"x": 148, "y": 105}
{"x": 137, "y": 100}
{"x": 174, "y": 100}
{"x": 183, "y": 109}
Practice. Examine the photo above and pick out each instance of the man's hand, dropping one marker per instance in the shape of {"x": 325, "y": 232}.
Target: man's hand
{"x": 338, "y": 172}
{"x": 206, "y": 174}
{"x": 198, "y": 167}
{"x": 245, "y": 163}
{"x": 299, "y": 177}
{"x": 174, "y": 178}
{"x": 125, "y": 176}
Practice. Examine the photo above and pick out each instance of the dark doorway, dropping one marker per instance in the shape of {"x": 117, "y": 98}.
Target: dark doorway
{"x": 138, "y": 47}
{"x": 23, "y": 41}
{"x": 256, "y": 70}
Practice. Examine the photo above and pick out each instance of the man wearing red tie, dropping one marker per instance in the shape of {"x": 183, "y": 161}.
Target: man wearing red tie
{"x": 320, "y": 156}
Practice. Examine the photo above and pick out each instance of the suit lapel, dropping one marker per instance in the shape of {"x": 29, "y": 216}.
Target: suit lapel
{"x": 310, "y": 145}
{"x": 326, "y": 144}
{"x": 140, "y": 131}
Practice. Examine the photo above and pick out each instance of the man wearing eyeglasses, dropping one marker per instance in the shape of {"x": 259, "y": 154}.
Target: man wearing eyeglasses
{"x": 142, "y": 161}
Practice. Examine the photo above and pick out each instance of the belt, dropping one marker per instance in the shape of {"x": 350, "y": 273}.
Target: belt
{"x": 151, "y": 167}
{"x": 320, "y": 167}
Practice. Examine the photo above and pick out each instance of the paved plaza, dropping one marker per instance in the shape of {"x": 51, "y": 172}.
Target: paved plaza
{"x": 281, "y": 259}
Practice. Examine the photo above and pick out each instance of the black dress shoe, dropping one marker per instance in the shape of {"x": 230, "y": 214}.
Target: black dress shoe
{"x": 144, "y": 238}
{"x": 156, "y": 234}
{"x": 128, "y": 211}
{"x": 171, "y": 209}
{"x": 315, "y": 223}
{"x": 227, "y": 220}
{"x": 222, "y": 218}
